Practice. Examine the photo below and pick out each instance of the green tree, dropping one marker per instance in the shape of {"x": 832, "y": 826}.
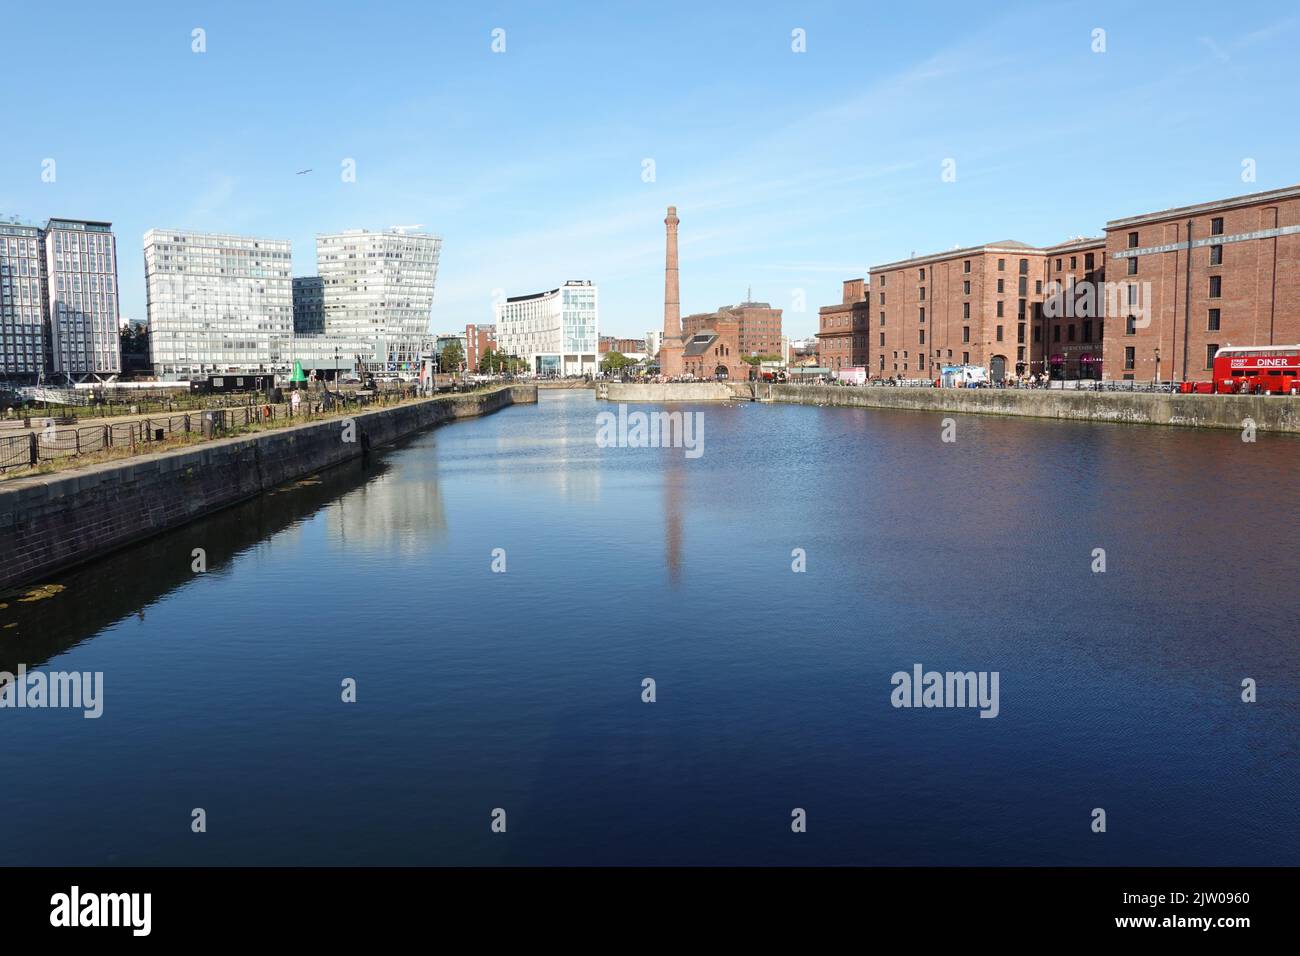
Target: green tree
{"x": 756, "y": 359}
{"x": 452, "y": 357}
{"x": 613, "y": 361}
{"x": 494, "y": 360}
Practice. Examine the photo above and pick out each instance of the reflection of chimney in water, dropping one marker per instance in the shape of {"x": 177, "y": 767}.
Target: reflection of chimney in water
{"x": 673, "y": 523}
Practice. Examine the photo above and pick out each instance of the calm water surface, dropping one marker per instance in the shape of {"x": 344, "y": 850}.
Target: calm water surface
{"x": 522, "y": 690}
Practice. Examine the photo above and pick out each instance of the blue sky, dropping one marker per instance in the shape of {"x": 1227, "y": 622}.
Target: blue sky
{"x": 790, "y": 171}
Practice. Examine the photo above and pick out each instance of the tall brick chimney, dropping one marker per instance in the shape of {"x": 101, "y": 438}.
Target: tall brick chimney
{"x": 672, "y": 291}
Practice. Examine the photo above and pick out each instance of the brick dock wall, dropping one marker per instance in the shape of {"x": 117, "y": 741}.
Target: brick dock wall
{"x": 51, "y": 522}
{"x": 1270, "y": 413}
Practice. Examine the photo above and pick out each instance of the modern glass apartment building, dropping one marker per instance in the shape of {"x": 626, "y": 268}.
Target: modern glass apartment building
{"x": 58, "y": 301}
{"x": 81, "y": 279}
{"x": 378, "y": 288}
{"x": 218, "y": 303}
{"x": 556, "y": 332}
{"x": 22, "y": 302}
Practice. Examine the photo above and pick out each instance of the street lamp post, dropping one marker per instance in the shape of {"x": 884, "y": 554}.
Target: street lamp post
{"x": 1157, "y": 351}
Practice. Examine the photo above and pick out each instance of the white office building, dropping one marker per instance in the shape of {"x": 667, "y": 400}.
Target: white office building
{"x": 377, "y": 288}
{"x": 218, "y": 303}
{"x": 555, "y": 332}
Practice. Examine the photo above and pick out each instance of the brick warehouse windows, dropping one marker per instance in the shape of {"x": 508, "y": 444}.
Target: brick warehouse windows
{"x": 1133, "y": 265}
{"x": 1132, "y": 240}
{"x": 1211, "y": 350}
{"x": 1212, "y": 323}
{"x": 1216, "y": 226}
{"x": 1130, "y": 357}
{"x": 1216, "y": 255}
{"x": 1216, "y": 287}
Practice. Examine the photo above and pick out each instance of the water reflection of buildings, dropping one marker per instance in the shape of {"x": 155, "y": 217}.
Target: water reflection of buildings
{"x": 565, "y": 443}
{"x": 398, "y": 513}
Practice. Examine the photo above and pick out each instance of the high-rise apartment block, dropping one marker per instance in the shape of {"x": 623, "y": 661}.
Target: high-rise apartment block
{"x": 59, "y": 301}
{"x": 22, "y": 302}
{"x": 81, "y": 278}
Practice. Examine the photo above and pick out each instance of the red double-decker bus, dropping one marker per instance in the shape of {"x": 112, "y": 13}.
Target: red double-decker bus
{"x": 1258, "y": 370}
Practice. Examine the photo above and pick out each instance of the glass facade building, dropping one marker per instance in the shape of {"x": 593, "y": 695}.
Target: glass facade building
{"x": 308, "y": 305}
{"x": 555, "y": 332}
{"x": 377, "y": 288}
{"x": 218, "y": 303}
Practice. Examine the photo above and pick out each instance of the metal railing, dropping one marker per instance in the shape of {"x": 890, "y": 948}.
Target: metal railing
{"x": 51, "y": 443}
